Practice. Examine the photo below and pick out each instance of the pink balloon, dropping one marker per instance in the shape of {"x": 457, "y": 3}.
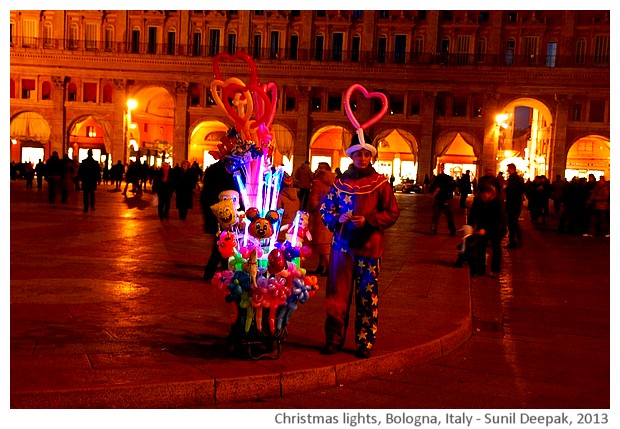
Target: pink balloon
{"x": 365, "y": 93}
{"x": 271, "y": 90}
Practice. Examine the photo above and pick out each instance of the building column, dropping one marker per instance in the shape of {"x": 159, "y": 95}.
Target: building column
{"x": 301, "y": 148}
{"x": 59, "y": 134}
{"x": 181, "y": 118}
{"x": 487, "y": 161}
{"x": 557, "y": 157}
{"x": 426, "y": 150}
{"x": 118, "y": 145}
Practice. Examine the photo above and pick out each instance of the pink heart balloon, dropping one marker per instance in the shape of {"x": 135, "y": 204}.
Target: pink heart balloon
{"x": 271, "y": 90}
{"x": 365, "y": 93}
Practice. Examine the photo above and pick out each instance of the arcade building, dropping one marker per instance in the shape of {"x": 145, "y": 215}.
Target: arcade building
{"x": 474, "y": 89}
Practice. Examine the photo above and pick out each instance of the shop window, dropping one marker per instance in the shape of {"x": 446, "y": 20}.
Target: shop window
{"x": 334, "y": 103}
{"x": 318, "y": 48}
{"x": 194, "y": 94}
{"x": 575, "y": 112}
{"x": 90, "y": 92}
{"x": 459, "y": 106}
{"x": 232, "y": 44}
{"x": 382, "y": 49}
{"x": 12, "y": 88}
{"x": 107, "y": 93}
{"x": 290, "y": 104}
{"x": 478, "y": 106}
{"x": 316, "y": 104}
{"x": 355, "y": 48}
{"x": 46, "y": 91}
{"x": 71, "y": 92}
{"x": 294, "y": 45}
{"x": 597, "y": 111}
{"x": 171, "y": 46}
{"x": 415, "y": 104}
{"x": 441, "y": 106}
{"x": 397, "y": 104}
{"x": 28, "y": 85}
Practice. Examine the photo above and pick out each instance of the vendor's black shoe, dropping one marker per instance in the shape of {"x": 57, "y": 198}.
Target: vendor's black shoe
{"x": 319, "y": 271}
{"x": 329, "y": 349}
{"x": 363, "y": 353}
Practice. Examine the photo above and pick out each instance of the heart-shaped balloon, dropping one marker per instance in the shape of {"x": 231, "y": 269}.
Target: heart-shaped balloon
{"x": 229, "y": 92}
{"x": 242, "y": 56}
{"x": 218, "y": 87}
{"x": 271, "y": 90}
{"x": 365, "y": 93}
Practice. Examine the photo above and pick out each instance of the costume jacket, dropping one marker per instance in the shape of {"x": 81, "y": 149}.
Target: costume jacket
{"x": 366, "y": 193}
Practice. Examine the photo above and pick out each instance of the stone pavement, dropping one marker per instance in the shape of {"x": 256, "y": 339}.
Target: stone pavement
{"x": 108, "y": 309}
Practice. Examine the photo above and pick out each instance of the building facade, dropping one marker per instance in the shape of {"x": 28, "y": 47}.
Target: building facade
{"x": 471, "y": 89}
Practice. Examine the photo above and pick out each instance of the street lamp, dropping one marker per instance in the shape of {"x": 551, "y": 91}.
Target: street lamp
{"x": 129, "y": 139}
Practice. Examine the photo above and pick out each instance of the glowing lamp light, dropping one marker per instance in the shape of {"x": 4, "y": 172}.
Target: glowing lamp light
{"x": 13, "y": 141}
{"x": 132, "y": 104}
{"x": 133, "y": 126}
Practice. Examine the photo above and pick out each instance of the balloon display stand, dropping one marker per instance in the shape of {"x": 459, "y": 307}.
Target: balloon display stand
{"x": 255, "y": 344}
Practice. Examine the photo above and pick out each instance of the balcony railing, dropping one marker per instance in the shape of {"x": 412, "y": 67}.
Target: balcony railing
{"x": 336, "y": 56}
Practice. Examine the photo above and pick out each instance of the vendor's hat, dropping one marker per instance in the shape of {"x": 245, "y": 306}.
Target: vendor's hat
{"x": 356, "y": 145}
{"x": 467, "y": 230}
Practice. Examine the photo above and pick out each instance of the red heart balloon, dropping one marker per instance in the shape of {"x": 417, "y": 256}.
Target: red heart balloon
{"x": 229, "y": 92}
{"x": 237, "y": 56}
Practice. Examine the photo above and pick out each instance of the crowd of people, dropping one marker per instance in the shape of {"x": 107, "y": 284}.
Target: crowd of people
{"x": 347, "y": 214}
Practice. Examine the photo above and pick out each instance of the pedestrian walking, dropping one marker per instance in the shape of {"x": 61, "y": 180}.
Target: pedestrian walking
{"x": 358, "y": 208}
{"x": 116, "y": 174}
{"x": 184, "y": 185}
{"x": 488, "y": 218}
{"x": 321, "y": 236}
{"x": 216, "y": 179}
{"x": 303, "y": 181}
{"x": 163, "y": 188}
{"x": 464, "y": 185}
{"x": 68, "y": 178}
{"x": 39, "y": 170}
{"x": 515, "y": 188}
{"x": 442, "y": 189}
{"x": 89, "y": 173}
{"x": 288, "y": 201}
{"x": 53, "y": 174}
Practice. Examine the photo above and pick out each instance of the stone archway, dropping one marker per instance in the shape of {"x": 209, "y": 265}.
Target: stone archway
{"x": 524, "y": 130}
{"x": 204, "y": 138}
{"x": 589, "y": 155}
{"x": 149, "y": 126}
{"x": 90, "y": 132}
{"x": 458, "y": 151}
{"x": 29, "y": 137}
{"x": 328, "y": 144}
{"x": 397, "y": 154}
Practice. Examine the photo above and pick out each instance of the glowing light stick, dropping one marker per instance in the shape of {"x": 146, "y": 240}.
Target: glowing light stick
{"x": 295, "y": 229}
{"x": 242, "y": 190}
{"x": 268, "y": 192}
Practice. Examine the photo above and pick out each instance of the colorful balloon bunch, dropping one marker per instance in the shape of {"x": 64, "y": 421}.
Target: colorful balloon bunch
{"x": 262, "y": 275}
{"x": 279, "y": 286}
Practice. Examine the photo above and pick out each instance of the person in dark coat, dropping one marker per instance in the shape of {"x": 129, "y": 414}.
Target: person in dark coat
{"x": 487, "y": 216}
{"x": 40, "y": 172}
{"x": 53, "y": 174}
{"x": 184, "y": 185}
{"x": 89, "y": 173}
{"x": 116, "y": 174}
{"x": 216, "y": 178}
{"x": 163, "y": 187}
{"x": 464, "y": 188}
{"x": 443, "y": 191}
{"x": 515, "y": 188}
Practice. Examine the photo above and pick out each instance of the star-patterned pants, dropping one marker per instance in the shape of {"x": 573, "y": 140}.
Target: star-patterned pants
{"x": 352, "y": 275}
